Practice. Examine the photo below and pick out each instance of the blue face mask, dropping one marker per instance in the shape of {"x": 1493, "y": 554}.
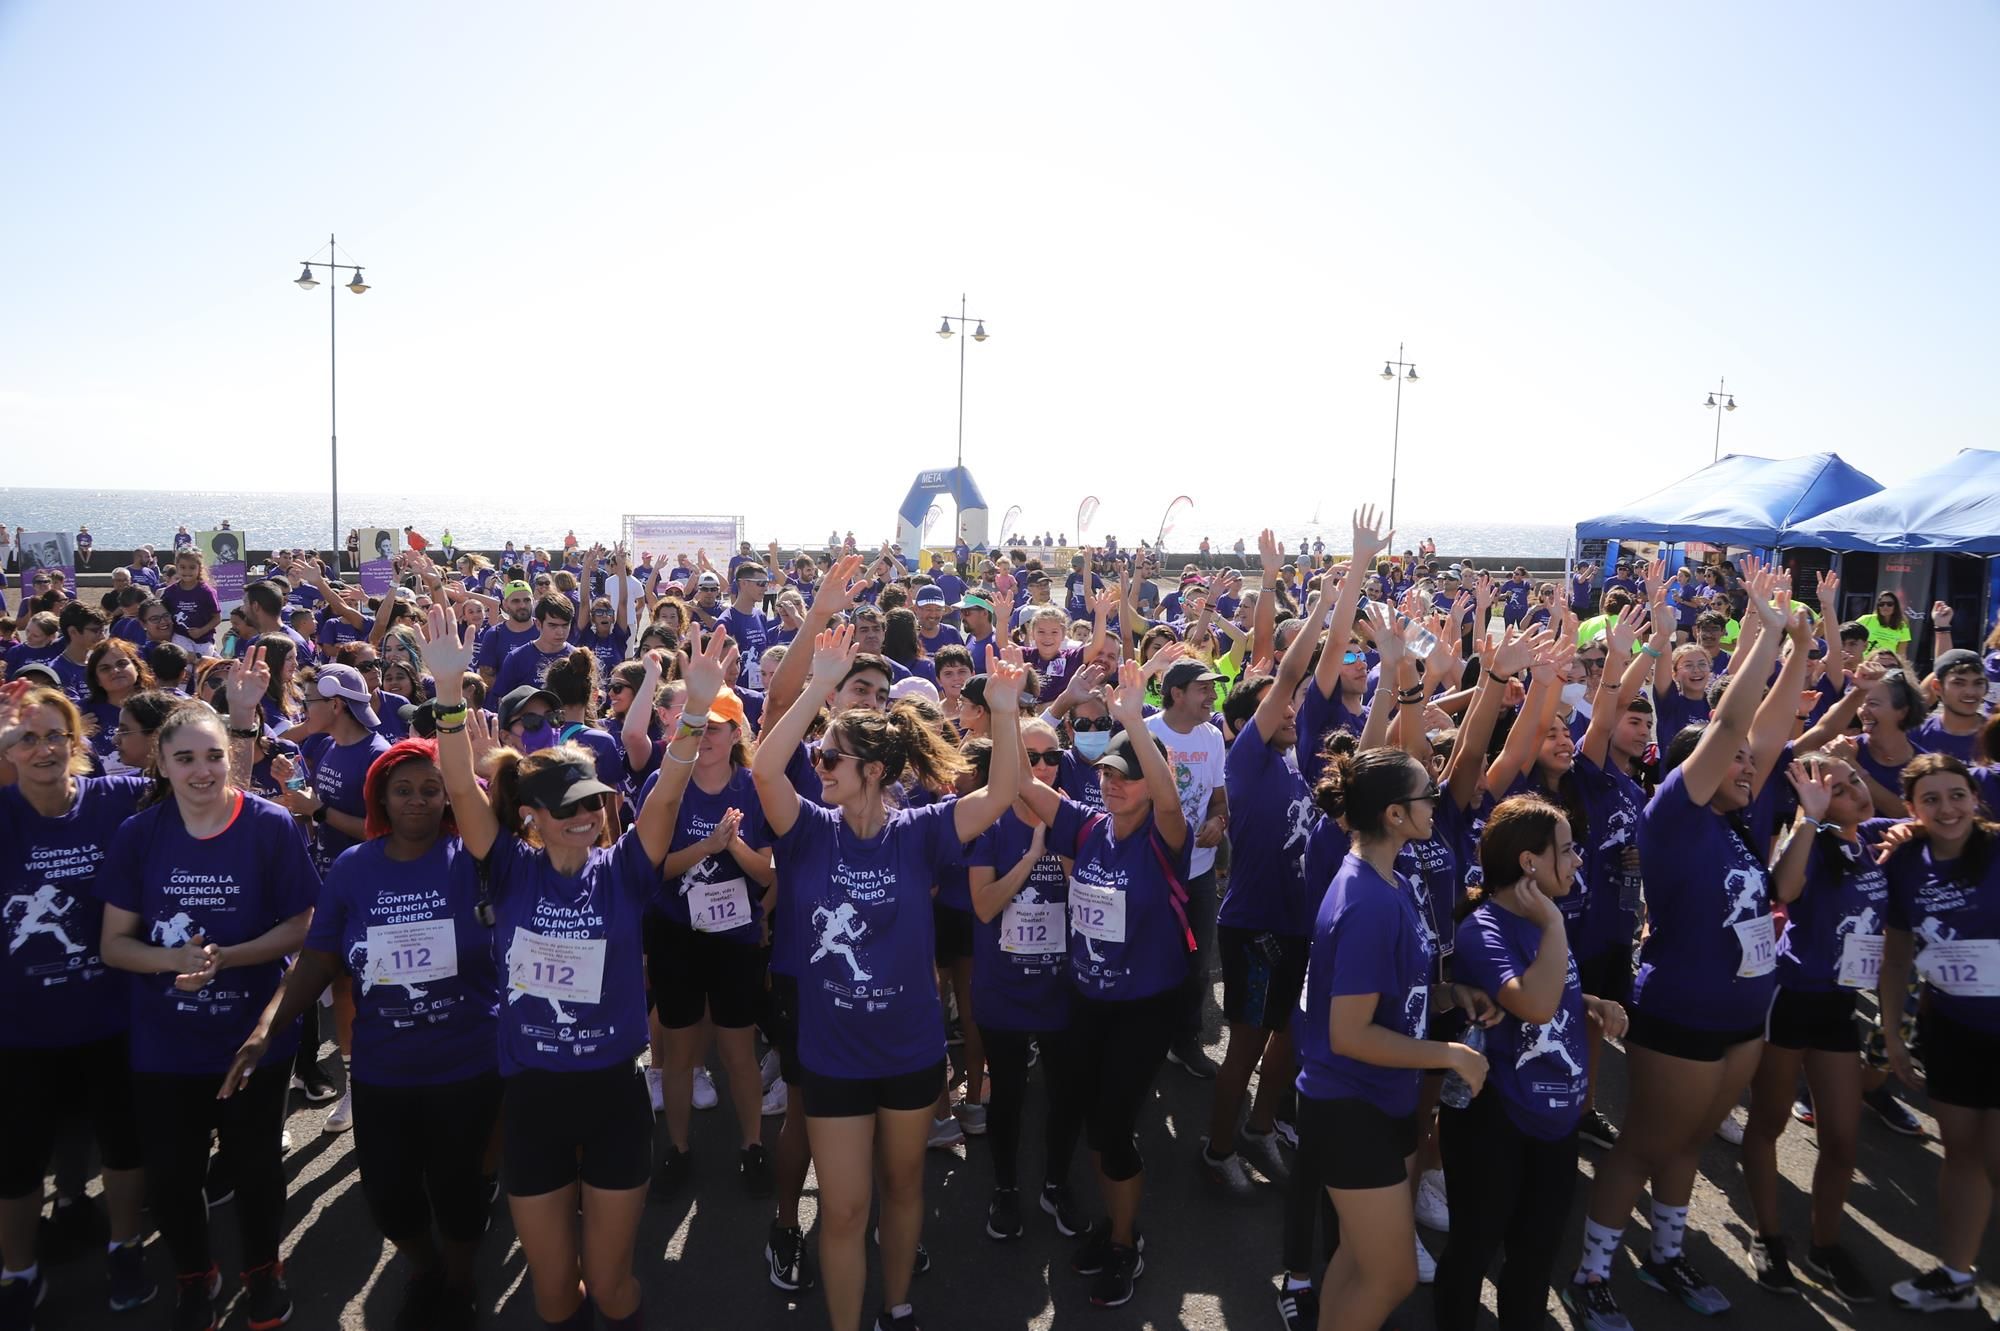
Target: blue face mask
{"x": 537, "y": 738}
{"x": 1091, "y": 744}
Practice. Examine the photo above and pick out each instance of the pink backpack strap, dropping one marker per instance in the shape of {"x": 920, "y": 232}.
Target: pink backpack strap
{"x": 1177, "y": 893}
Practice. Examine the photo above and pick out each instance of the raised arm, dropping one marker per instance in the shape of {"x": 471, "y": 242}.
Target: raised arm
{"x": 1264, "y": 623}
{"x": 1619, "y": 684}
{"x": 1291, "y": 669}
{"x": 449, "y": 651}
{"x": 1518, "y": 754}
{"x": 1369, "y": 542}
{"x": 1127, "y": 704}
{"x": 1729, "y": 729}
{"x": 834, "y": 597}
{"x": 976, "y": 812}
{"x": 704, "y": 680}
{"x": 248, "y": 680}
{"x": 1778, "y": 712}
{"x": 833, "y": 651}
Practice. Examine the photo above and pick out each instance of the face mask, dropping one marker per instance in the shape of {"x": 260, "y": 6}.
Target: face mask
{"x": 1574, "y": 695}
{"x": 1091, "y": 744}
{"x": 536, "y": 738}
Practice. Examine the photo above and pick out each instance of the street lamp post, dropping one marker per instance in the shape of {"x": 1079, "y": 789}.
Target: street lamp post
{"x": 307, "y": 282}
{"x": 1389, "y": 368}
{"x": 945, "y": 330}
{"x": 1728, "y": 403}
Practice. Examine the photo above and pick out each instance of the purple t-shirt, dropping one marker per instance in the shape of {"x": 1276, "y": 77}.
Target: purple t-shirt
{"x": 1270, "y": 814}
{"x": 1932, "y": 737}
{"x": 427, "y": 991}
{"x": 1020, "y": 959}
{"x": 860, "y": 912}
{"x": 338, "y": 773}
{"x": 229, "y": 888}
{"x": 1128, "y": 936}
{"x": 21, "y": 654}
{"x": 609, "y": 648}
{"x": 700, "y": 814}
{"x": 499, "y": 640}
{"x": 1434, "y": 870}
{"x": 752, "y": 631}
{"x": 1674, "y": 712}
{"x": 1846, "y": 892}
{"x": 1939, "y": 901}
{"x": 526, "y": 664}
{"x": 1613, "y": 801}
{"x": 1056, "y": 670}
{"x": 1540, "y": 1070}
{"x": 192, "y": 607}
{"x": 572, "y": 963}
{"x": 1079, "y": 780}
{"x": 1320, "y": 716}
{"x": 1709, "y": 907}
{"x": 56, "y": 990}
{"x": 1368, "y": 938}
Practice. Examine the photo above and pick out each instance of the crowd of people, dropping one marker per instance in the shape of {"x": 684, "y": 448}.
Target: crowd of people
{"x": 532, "y": 841}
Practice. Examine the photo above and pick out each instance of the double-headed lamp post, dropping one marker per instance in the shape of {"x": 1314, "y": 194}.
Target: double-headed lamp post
{"x": 1728, "y": 403}
{"x": 945, "y": 331}
{"x": 307, "y": 282}
{"x": 1389, "y": 371}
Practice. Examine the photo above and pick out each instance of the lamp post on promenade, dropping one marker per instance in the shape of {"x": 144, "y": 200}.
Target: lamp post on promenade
{"x": 1728, "y": 403}
{"x": 1389, "y": 371}
{"x": 307, "y": 282}
{"x": 945, "y": 331}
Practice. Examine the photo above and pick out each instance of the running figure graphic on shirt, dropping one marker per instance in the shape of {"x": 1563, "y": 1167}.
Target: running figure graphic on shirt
{"x": 1619, "y": 826}
{"x": 176, "y": 932}
{"x": 1416, "y": 1011}
{"x": 562, "y": 1018}
{"x": 40, "y": 913}
{"x": 838, "y": 928}
{"x": 1746, "y": 896}
{"x": 1302, "y": 819}
{"x": 1548, "y": 1039}
{"x": 1933, "y": 930}
{"x": 357, "y": 964}
{"x": 1862, "y": 923}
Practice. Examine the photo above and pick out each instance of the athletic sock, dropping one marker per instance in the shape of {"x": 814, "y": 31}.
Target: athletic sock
{"x": 901, "y": 1310}
{"x": 28, "y": 1272}
{"x": 1295, "y": 1285}
{"x": 1669, "y": 1228}
{"x": 1957, "y": 1277}
{"x": 1600, "y": 1245}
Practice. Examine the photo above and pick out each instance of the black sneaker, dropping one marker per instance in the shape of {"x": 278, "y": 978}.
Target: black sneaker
{"x": 1592, "y": 1306}
{"x": 457, "y": 1310}
{"x": 754, "y": 1165}
{"x": 1188, "y": 1055}
{"x": 1003, "y": 1214}
{"x": 1112, "y": 1287}
{"x": 1935, "y": 1291}
{"x": 1299, "y": 1308}
{"x": 1088, "y": 1259}
{"x": 1057, "y": 1202}
{"x": 888, "y": 1321}
{"x": 315, "y": 1086}
{"x": 127, "y": 1271}
{"x": 785, "y": 1255}
{"x": 923, "y": 1264}
{"x": 1895, "y": 1115}
{"x": 1837, "y": 1271}
{"x": 266, "y": 1301}
{"x": 1597, "y": 1130}
{"x": 1773, "y": 1269}
{"x": 1677, "y": 1276}
{"x": 423, "y": 1296}
{"x": 194, "y": 1309}
{"x": 19, "y": 1299}
{"x": 672, "y": 1174}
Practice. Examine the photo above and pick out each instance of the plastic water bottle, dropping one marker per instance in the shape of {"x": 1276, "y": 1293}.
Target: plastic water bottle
{"x": 1457, "y": 1092}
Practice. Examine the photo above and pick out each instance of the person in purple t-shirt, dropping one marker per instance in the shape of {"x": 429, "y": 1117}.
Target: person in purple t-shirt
{"x": 1707, "y": 967}
{"x": 554, "y": 622}
{"x": 854, "y": 881}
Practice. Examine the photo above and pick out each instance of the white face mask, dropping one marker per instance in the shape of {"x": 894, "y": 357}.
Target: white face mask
{"x": 1575, "y": 696}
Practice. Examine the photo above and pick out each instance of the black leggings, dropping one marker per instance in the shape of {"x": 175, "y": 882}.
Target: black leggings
{"x": 1007, "y": 1062}
{"x": 1508, "y": 1190}
{"x": 422, "y": 1151}
{"x": 1120, "y": 1046}
{"x": 179, "y": 1112}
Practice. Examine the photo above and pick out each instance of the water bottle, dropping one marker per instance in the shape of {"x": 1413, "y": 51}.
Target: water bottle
{"x": 1423, "y": 644}
{"x": 1457, "y": 1092}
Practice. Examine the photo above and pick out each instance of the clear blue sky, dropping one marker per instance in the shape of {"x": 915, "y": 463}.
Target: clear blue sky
{"x": 697, "y": 253}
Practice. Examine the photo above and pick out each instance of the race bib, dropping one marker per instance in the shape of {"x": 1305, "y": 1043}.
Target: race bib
{"x": 563, "y": 970}
{"x": 1964, "y": 967}
{"x": 412, "y": 953}
{"x": 1097, "y": 912}
{"x": 1759, "y": 940}
{"x": 1034, "y": 928}
{"x": 716, "y": 908}
{"x": 1860, "y": 960}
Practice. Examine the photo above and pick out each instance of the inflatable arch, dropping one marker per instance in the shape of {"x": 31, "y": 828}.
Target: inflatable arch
{"x": 954, "y": 481}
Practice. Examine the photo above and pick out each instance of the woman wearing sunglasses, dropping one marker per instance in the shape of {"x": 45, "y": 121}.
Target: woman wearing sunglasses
{"x": 1337, "y": 697}
{"x": 566, "y": 901}
{"x": 1706, "y": 973}
{"x": 854, "y": 886}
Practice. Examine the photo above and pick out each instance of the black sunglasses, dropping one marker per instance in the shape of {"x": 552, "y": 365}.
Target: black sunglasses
{"x": 1430, "y": 792}
{"x": 1101, "y": 723}
{"x": 1049, "y": 758}
{"x": 829, "y": 759}
{"x": 588, "y": 804}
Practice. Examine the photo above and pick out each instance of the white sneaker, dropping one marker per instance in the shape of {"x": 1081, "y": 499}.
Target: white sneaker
{"x": 1427, "y": 1267}
{"x": 1432, "y": 1210}
{"x": 704, "y": 1089}
{"x": 656, "y": 1090}
{"x": 1731, "y": 1129}
{"x": 770, "y": 1069}
{"x": 341, "y": 1117}
{"x": 971, "y": 1118}
{"x": 945, "y": 1134}
{"x": 1229, "y": 1173}
{"x": 776, "y": 1100}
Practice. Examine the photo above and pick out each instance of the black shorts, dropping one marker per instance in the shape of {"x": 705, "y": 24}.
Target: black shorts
{"x": 953, "y": 930}
{"x": 1608, "y": 975}
{"x": 1350, "y": 1143}
{"x": 692, "y": 973}
{"x": 1689, "y": 1042}
{"x": 1813, "y": 1019}
{"x": 781, "y": 1023}
{"x": 857, "y": 1097}
{"x": 559, "y": 1127}
{"x": 47, "y": 1088}
{"x": 1262, "y": 974}
{"x": 1961, "y": 1065}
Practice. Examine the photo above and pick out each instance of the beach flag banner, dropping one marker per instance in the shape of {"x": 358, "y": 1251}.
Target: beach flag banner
{"x": 54, "y": 550}
{"x": 225, "y": 553}
{"x": 378, "y": 561}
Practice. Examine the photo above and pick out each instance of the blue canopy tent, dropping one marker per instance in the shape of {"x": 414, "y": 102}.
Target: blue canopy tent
{"x": 1952, "y": 509}
{"x": 1737, "y": 500}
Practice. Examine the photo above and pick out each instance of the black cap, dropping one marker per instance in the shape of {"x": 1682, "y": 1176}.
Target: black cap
{"x": 561, "y": 783}
{"x": 1121, "y": 755}
{"x": 974, "y": 691}
{"x": 421, "y": 718}
{"x": 1183, "y": 673}
{"x": 37, "y": 670}
{"x": 518, "y": 698}
{"x": 1958, "y": 658}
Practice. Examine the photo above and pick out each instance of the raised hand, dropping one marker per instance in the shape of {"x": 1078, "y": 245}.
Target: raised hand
{"x": 1941, "y": 615}
{"x": 13, "y": 712}
{"x": 1369, "y": 540}
{"x": 447, "y": 650}
{"x": 1536, "y": 907}
{"x": 1624, "y": 631}
{"x": 1516, "y": 651}
{"x": 833, "y": 653}
{"x": 1163, "y": 659}
{"x": 1267, "y": 551}
{"x": 704, "y": 668}
{"x": 1826, "y": 590}
{"x": 1004, "y": 680}
{"x": 1815, "y": 790}
{"x": 1081, "y": 684}
{"x": 249, "y": 680}
{"x": 838, "y": 588}
{"x": 1127, "y": 700}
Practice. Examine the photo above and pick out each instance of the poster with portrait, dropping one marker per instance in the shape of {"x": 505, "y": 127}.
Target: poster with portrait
{"x": 54, "y": 551}
{"x": 378, "y": 560}
{"x": 226, "y": 553}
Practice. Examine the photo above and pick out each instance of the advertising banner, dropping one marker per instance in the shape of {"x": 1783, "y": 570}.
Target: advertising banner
{"x": 666, "y": 537}
{"x": 224, "y": 551}
{"x": 378, "y": 560}
{"x": 52, "y": 550}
